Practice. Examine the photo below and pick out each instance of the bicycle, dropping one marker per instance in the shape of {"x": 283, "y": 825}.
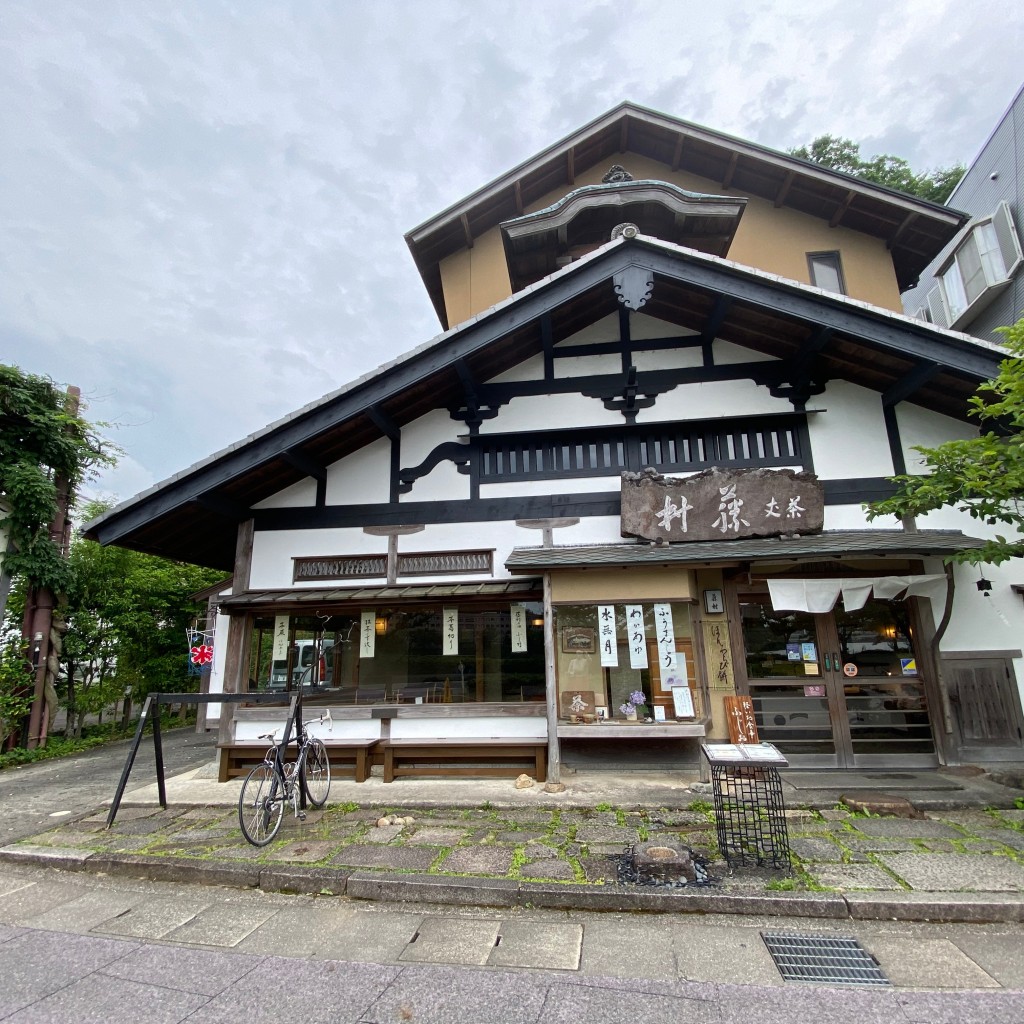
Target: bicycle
{"x": 272, "y": 784}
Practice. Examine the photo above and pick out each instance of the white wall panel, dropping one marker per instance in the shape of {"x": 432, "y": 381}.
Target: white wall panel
{"x": 362, "y": 476}
{"x": 849, "y": 440}
{"x": 302, "y": 494}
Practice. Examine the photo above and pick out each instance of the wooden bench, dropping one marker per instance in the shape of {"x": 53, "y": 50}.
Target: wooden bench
{"x": 491, "y": 756}
{"x": 239, "y": 758}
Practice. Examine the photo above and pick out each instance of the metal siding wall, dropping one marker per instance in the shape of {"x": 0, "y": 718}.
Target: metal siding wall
{"x": 979, "y": 195}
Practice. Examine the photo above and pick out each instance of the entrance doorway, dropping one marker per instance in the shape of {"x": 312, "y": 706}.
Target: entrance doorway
{"x": 842, "y": 689}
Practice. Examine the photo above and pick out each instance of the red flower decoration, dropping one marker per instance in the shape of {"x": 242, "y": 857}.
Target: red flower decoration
{"x": 202, "y": 655}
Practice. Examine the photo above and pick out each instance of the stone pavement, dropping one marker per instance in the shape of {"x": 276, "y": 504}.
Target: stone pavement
{"x": 132, "y": 949}
{"x": 528, "y": 848}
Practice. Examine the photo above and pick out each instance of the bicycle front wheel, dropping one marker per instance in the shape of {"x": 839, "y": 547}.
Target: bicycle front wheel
{"x": 318, "y": 773}
{"x": 261, "y": 805}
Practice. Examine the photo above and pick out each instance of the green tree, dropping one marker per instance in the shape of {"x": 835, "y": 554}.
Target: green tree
{"x": 982, "y": 476}
{"x": 42, "y": 442}
{"x": 840, "y": 154}
{"x": 126, "y": 616}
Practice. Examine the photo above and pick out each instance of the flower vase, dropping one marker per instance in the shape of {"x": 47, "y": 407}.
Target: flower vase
{"x": 631, "y": 715}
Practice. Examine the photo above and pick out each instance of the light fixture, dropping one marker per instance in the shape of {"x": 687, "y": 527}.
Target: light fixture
{"x": 381, "y": 625}
{"x": 984, "y": 585}
{"x": 537, "y": 620}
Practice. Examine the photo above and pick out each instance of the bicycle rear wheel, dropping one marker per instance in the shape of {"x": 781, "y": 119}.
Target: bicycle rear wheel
{"x": 318, "y": 773}
{"x": 261, "y": 805}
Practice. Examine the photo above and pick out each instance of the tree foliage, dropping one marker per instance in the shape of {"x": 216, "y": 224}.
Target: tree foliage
{"x": 126, "y": 615}
{"x": 982, "y": 476}
{"x": 40, "y": 443}
{"x": 840, "y": 154}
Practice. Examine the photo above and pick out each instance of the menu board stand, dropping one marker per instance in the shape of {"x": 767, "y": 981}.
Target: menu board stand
{"x": 750, "y": 815}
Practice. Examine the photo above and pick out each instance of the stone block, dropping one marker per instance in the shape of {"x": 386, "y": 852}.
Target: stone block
{"x": 388, "y": 858}
{"x": 906, "y": 828}
{"x": 304, "y": 879}
{"x": 481, "y": 892}
{"x": 478, "y": 860}
{"x": 957, "y": 872}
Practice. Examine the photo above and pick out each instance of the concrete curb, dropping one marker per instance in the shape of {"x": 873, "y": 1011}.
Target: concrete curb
{"x": 506, "y": 892}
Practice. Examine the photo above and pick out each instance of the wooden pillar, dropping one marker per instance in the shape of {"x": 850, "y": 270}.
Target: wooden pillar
{"x": 554, "y": 777}
{"x": 236, "y": 677}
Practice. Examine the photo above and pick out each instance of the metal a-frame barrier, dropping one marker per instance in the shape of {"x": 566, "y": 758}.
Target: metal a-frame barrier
{"x": 151, "y": 711}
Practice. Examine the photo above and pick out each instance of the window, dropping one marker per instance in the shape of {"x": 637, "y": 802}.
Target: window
{"x": 977, "y": 270}
{"x": 826, "y": 271}
{"x": 406, "y": 662}
{"x": 609, "y": 655}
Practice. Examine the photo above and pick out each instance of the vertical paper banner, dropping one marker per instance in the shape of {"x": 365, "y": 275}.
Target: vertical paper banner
{"x": 280, "y": 638}
{"x": 518, "y": 628}
{"x": 666, "y": 636}
{"x": 367, "y": 634}
{"x": 606, "y": 635}
{"x": 450, "y": 630}
{"x": 636, "y": 636}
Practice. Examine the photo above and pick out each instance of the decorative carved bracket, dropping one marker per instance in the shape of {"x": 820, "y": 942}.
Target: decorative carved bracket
{"x": 627, "y": 400}
{"x": 633, "y": 286}
{"x": 457, "y": 453}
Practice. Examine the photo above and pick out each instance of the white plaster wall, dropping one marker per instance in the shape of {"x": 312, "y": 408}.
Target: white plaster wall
{"x": 726, "y": 354}
{"x": 550, "y": 412}
{"x": 528, "y": 369}
{"x": 423, "y": 435}
{"x": 583, "y": 485}
{"x": 586, "y": 366}
{"x": 359, "y": 477}
{"x": 852, "y": 517}
{"x": 220, "y": 654}
{"x": 443, "y": 483}
{"x": 849, "y": 440}
{"x": 666, "y": 359}
{"x": 926, "y": 428}
{"x": 250, "y": 730}
{"x": 481, "y": 727}
{"x": 273, "y": 550}
{"x": 302, "y": 494}
{"x": 713, "y": 400}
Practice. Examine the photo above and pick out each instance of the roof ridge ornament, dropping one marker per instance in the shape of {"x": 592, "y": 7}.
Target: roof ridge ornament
{"x": 615, "y": 174}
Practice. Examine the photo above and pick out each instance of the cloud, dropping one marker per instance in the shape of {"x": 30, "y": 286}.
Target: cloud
{"x": 202, "y": 207}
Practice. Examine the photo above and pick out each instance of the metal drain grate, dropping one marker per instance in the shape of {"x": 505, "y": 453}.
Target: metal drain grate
{"x": 825, "y": 959}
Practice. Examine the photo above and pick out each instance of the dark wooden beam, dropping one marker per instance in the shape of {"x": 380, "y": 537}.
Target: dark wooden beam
{"x": 730, "y": 170}
{"x": 787, "y": 184}
{"x": 464, "y": 221}
{"x": 843, "y": 207}
{"x": 383, "y": 422}
{"x": 548, "y": 343}
{"x": 304, "y": 464}
{"x": 570, "y": 165}
{"x": 677, "y": 156}
{"x": 711, "y": 326}
{"x": 899, "y": 232}
{"x": 813, "y": 346}
{"x": 517, "y": 188}
{"x": 908, "y": 385}
{"x": 221, "y": 506}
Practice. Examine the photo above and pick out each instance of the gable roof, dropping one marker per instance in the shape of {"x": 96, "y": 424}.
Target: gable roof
{"x": 914, "y": 229}
{"x": 194, "y": 515}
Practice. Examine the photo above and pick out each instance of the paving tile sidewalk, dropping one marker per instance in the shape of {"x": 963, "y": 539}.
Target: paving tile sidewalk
{"x": 966, "y": 864}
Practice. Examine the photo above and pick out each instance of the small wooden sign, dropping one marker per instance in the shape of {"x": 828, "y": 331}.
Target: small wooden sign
{"x": 739, "y": 712}
{"x": 577, "y": 640}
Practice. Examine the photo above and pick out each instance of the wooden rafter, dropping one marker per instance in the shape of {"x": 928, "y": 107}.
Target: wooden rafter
{"x": 898, "y": 233}
{"x": 787, "y": 184}
{"x": 517, "y": 189}
{"x": 570, "y": 165}
{"x": 730, "y": 170}
{"x": 677, "y": 156}
{"x": 464, "y": 220}
{"x": 843, "y": 207}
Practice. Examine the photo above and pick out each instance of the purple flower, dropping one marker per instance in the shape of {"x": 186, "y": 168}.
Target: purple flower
{"x": 637, "y": 697}
{"x": 626, "y": 708}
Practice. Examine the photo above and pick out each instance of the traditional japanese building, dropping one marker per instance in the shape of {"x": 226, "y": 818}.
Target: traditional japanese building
{"x": 626, "y": 482}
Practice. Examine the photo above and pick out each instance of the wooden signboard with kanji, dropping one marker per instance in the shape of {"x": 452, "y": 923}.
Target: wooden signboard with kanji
{"x": 739, "y": 711}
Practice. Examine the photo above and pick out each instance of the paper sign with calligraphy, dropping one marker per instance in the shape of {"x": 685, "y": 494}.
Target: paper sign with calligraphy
{"x": 665, "y": 636}
{"x": 450, "y": 630}
{"x": 280, "y": 638}
{"x": 635, "y": 636}
{"x": 721, "y": 505}
{"x": 517, "y": 627}
{"x": 367, "y": 634}
{"x": 606, "y": 635}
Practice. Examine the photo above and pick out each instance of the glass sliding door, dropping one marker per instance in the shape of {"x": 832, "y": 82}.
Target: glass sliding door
{"x": 841, "y": 689}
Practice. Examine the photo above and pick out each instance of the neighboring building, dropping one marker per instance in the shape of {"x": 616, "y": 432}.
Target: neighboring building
{"x": 976, "y": 283}
{"x": 448, "y": 530}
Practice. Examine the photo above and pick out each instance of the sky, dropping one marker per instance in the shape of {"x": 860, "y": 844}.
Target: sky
{"x": 202, "y": 204}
